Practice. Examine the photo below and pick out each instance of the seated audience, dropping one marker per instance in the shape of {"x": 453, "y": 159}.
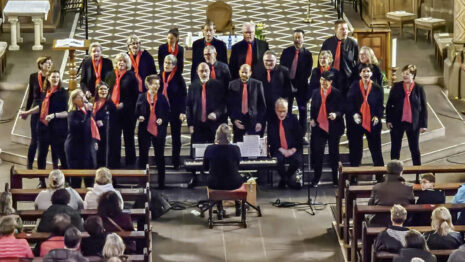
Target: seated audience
{"x": 114, "y": 246}
{"x": 103, "y": 179}
{"x": 415, "y": 246}
{"x": 56, "y": 180}
{"x": 114, "y": 259}
{"x": 391, "y": 191}
{"x": 60, "y": 223}
{"x": 442, "y": 236}
{"x": 71, "y": 250}
{"x": 459, "y": 197}
{"x": 9, "y": 245}
{"x": 458, "y": 255}
{"x": 393, "y": 238}
{"x": 60, "y": 200}
{"x": 92, "y": 246}
{"x": 427, "y": 195}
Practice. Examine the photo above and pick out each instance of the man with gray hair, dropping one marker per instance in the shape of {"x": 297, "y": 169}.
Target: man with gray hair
{"x": 218, "y": 69}
{"x": 391, "y": 191}
{"x": 248, "y": 51}
{"x": 94, "y": 69}
{"x": 142, "y": 61}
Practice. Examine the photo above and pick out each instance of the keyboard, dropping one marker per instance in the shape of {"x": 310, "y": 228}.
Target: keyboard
{"x": 246, "y": 164}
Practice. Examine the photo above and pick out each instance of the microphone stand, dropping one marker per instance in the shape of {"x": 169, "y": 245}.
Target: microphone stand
{"x": 107, "y": 133}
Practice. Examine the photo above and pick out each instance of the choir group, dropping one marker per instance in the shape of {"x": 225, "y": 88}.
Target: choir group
{"x": 251, "y": 89}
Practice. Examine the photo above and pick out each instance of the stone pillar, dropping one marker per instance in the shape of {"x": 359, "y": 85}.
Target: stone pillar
{"x": 459, "y": 22}
{"x": 14, "y": 38}
{"x": 37, "y": 33}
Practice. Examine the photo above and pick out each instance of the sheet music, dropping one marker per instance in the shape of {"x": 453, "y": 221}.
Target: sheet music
{"x": 263, "y": 147}
{"x": 69, "y": 42}
{"x": 199, "y": 150}
{"x": 250, "y": 147}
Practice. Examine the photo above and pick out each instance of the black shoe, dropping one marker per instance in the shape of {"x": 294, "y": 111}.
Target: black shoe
{"x": 221, "y": 214}
{"x": 193, "y": 182}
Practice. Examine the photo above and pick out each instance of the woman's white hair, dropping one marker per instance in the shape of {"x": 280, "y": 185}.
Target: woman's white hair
{"x": 126, "y": 58}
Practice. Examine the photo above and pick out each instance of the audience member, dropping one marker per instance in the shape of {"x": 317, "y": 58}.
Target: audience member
{"x": 56, "y": 180}
{"x": 60, "y": 200}
{"x": 427, "y": 195}
{"x": 114, "y": 246}
{"x": 93, "y": 245}
{"x": 71, "y": 250}
{"x": 103, "y": 184}
{"x": 415, "y": 246}
{"x": 9, "y": 245}
{"x": 60, "y": 223}
{"x": 458, "y": 255}
{"x": 391, "y": 191}
{"x": 393, "y": 238}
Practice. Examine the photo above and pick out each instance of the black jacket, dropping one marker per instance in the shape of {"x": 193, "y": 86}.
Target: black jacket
{"x": 428, "y": 196}
{"x": 163, "y": 51}
{"x": 239, "y": 54}
{"x": 222, "y": 74}
{"x": 435, "y": 241}
{"x": 79, "y": 143}
{"x": 292, "y": 130}
{"x": 390, "y": 240}
{"x": 177, "y": 93}
{"x": 315, "y": 80}
{"x": 128, "y": 91}
{"x": 280, "y": 85}
{"x": 46, "y": 222}
{"x": 406, "y": 255}
{"x": 255, "y": 101}
{"x": 349, "y": 54}
{"x": 395, "y": 106}
{"x": 161, "y": 111}
{"x": 88, "y": 74}
{"x": 197, "y": 54}
{"x": 223, "y": 163}
{"x": 58, "y": 103}
{"x": 216, "y": 102}
{"x": 64, "y": 255}
{"x": 101, "y": 115}
{"x": 355, "y": 101}
{"x": 334, "y": 104}
{"x": 93, "y": 245}
{"x": 304, "y": 67}
{"x": 34, "y": 93}
{"x": 146, "y": 66}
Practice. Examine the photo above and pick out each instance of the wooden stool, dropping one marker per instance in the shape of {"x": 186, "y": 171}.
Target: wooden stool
{"x": 214, "y": 196}
{"x": 401, "y": 17}
{"x": 430, "y": 24}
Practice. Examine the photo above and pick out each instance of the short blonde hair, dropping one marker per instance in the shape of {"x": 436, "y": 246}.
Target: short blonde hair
{"x": 326, "y": 53}
{"x": 103, "y": 176}
{"x": 370, "y": 54}
{"x": 7, "y": 225}
{"x": 114, "y": 246}
{"x": 95, "y": 44}
{"x": 441, "y": 221}
{"x": 56, "y": 179}
{"x": 223, "y": 134}
{"x": 132, "y": 38}
{"x": 72, "y": 96}
{"x": 398, "y": 214}
{"x": 126, "y": 58}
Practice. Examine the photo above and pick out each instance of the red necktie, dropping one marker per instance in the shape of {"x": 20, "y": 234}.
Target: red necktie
{"x": 152, "y": 124}
{"x": 245, "y": 99}
{"x": 337, "y": 56}
{"x": 135, "y": 65}
{"x": 213, "y": 74}
{"x": 93, "y": 126}
{"x": 365, "y": 108}
{"x": 248, "y": 58}
{"x": 323, "y": 114}
{"x": 204, "y": 103}
{"x": 115, "y": 95}
{"x": 282, "y": 135}
{"x": 268, "y": 75}
{"x": 407, "y": 110}
{"x": 294, "y": 64}
{"x": 97, "y": 71}
{"x": 46, "y": 104}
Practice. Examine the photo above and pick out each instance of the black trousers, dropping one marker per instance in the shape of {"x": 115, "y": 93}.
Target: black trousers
{"x": 318, "y": 141}
{"x": 413, "y": 137}
{"x": 294, "y": 161}
{"x": 175, "y": 125}
{"x": 126, "y": 124}
{"x": 145, "y": 140}
{"x": 87, "y": 163}
{"x": 57, "y": 143}
{"x": 356, "y": 145}
{"x": 203, "y": 133}
{"x": 31, "y": 152}
{"x": 249, "y": 129}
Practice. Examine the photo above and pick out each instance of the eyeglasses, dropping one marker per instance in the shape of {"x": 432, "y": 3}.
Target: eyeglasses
{"x": 135, "y": 43}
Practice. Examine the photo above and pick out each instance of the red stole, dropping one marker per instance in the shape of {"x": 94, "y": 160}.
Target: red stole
{"x": 407, "y": 110}
{"x": 46, "y": 104}
{"x": 365, "y": 108}
{"x": 152, "y": 123}
{"x": 97, "y": 71}
{"x": 135, "y": 65}
{"x": 322, "y": 69}
{"x": 175, "y": 51}
{"x": 41, "y": 81}
{"x": 93, "y": 126}
{"x": 98, "y": 105}
{"x": 323, "y": 114}
{"x": 167, "y": 82}
{"x": 115, "y": 95}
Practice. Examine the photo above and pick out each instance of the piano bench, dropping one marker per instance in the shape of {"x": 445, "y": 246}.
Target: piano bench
{"x": 215, "y": 196}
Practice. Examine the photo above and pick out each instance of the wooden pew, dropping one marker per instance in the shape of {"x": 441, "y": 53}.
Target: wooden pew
{"x": 345, "y": 173}
{"x": 369, "y": 234}
{"x": 132, "y": 258}
{"x": 364, "y": 191}
{"x": 42, "y": 236}
{"x": 16, "y": 175}
{"x": 361, "y": 210}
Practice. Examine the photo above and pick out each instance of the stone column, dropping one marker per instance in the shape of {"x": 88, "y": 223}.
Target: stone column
{"x": 37, "y": 33}
{"x": 13, "y": 20}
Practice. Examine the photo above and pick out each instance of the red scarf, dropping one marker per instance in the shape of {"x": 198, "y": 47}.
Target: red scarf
{"x": 98, "y": 105}
{"x": 152, "y": 124}
{"x": 41, "y": 81}
{"x": 365, "y": 108}
{"x": 323, "y": 114}
{"x": 167, "y": 82}
{"x": 407, "y": 110}
{"x": 115, "y": 95}
{"x": 46, "y": 104}
{"x": 97, "y": 71}
{"x": 323, "y": 70}
{"x": 135, "y": 65}
{"x": 175, "y": 51}
{"x": 93, "y": 126}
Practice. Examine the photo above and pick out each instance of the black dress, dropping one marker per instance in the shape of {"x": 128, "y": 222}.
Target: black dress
{"x": 163, "y": 51}
{"x": 33, "y": 99}
{"x": 223, "y": 163}
{"x": 101, "y": 115}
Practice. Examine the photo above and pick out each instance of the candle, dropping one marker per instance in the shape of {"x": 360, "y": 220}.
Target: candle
{"x": 394, "y": 52}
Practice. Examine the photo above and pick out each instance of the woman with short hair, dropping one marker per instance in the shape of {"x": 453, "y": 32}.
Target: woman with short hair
{"x": 103, "y": 184}
{"x": 366, "y": 55}
{"x": 124, "y": 92}
{"x": 392, "y": 239}
{"x": 10, "y": 246}
{"x": 142, "y": 61}
{"x": 114, "y": 246}
{"x": 56, "y": 180}
{"x": 94, "y": 69}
